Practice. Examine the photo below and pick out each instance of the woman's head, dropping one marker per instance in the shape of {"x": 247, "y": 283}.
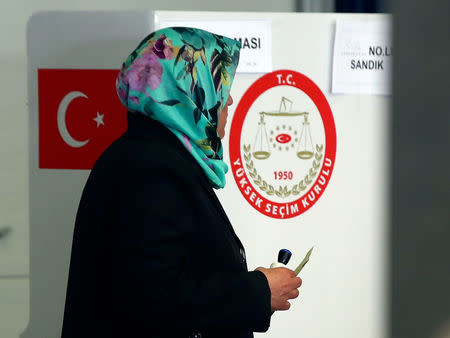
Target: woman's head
{"x": 182, "y": 77}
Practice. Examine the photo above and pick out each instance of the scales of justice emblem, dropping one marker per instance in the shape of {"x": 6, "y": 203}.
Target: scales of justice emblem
{"x": 282, "y": 158}
{"x": 303, "y": 143}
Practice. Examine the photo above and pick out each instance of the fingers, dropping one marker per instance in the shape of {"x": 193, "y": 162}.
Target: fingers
{"x": 286, "y": 305}
{"x": 284, "y": 286}
{"x": 295, "y": 283}
{"x": 294, "y": 294}
{"x": 283, "y": 307}
{"x": 288, "y": 272}
{"x": 291, "y": 273}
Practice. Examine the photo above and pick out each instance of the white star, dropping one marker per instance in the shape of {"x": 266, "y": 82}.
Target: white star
{"x": 99, "y": 119}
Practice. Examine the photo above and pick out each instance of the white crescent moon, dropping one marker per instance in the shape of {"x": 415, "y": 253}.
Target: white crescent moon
{"x": 62, "y": 127}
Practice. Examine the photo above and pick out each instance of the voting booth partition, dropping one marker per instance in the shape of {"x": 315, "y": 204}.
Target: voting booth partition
{"x": 307, "y": 152}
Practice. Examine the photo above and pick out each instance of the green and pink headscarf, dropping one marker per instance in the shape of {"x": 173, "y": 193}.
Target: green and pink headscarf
{"x": 182, "y": 77}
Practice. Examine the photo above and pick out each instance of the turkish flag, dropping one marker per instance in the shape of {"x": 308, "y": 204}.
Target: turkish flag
{"x": 80, "y": 115}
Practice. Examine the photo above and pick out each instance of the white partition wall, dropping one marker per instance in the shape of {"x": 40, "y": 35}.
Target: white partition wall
{"x": 344, "y": 284}
{"x": 65, "y": 40}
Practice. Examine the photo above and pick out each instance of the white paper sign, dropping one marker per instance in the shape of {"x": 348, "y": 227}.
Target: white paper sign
{"x": 362, "y": 60}
{"x": 254, "y": 35}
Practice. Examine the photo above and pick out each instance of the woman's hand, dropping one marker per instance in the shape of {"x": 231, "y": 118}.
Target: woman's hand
{"x": 283, "y": 286}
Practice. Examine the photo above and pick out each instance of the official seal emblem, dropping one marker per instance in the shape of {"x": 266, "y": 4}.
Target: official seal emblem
{"x": 282, "y": 144}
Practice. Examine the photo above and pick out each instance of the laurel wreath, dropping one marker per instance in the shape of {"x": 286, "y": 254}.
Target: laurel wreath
{"x": 282, "y": 191}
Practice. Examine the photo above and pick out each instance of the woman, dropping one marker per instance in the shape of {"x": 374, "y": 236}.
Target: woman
{"x": 154, "y": 254}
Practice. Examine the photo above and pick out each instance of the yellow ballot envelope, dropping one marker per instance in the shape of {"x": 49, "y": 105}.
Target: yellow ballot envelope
{"x": 303, "y": 262}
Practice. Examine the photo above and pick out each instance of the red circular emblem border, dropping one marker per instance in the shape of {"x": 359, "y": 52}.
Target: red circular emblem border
{"x": 267, "y": 81}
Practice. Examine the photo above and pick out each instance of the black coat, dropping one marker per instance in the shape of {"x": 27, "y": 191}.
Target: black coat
{"x": 153, "y": 252}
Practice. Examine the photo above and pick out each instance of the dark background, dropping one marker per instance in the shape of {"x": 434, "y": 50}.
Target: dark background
{"x": 420, "y": 184}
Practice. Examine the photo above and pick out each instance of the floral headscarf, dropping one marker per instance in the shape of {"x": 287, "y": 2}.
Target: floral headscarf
{"x": 181, "y": 77}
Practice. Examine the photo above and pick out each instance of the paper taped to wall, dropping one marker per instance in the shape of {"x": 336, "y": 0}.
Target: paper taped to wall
{"x": 362, "y": 57}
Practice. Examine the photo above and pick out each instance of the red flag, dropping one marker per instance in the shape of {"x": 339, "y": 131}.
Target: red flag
{"x": 80, "y": 115}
